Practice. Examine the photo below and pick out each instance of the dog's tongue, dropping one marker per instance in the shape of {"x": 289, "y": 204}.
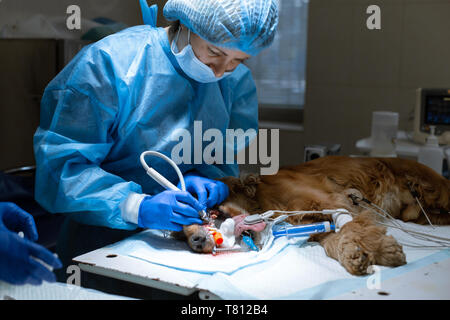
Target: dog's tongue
{"x": 240, "y": 226}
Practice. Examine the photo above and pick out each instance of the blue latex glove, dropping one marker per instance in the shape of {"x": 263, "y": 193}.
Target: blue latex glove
{"x": 169, "y": 210}
{"x": 209, "y": 192}
{"x": 17, "y": 265}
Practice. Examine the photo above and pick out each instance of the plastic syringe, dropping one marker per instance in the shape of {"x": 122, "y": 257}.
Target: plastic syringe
{"x": 303, "y": 230}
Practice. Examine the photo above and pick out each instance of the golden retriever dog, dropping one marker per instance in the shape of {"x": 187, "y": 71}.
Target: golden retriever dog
{"x": 337, "y": 182}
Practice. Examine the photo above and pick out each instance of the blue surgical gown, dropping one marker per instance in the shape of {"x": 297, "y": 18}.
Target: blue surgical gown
{"x": 118, "y": 97}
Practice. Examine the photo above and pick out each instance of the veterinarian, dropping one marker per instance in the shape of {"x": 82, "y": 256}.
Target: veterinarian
{"x": 126, "y": 94}
{"x": 17, "y": 263}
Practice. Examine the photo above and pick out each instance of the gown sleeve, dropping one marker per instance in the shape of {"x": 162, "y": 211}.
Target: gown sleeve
{"x": 78, "y": 115}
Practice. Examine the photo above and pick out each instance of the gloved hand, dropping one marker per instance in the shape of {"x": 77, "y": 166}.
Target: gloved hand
{"x": 169, "y": 210}
{"x": 209, "y": 192}
{"x": 17, "y": 265}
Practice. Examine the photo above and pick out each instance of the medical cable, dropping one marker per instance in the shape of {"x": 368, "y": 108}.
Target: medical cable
{"x": 424, "y": 213}
{"x": 442, "y": 241}
{"x": 391, "y": 222}
{"x": 255, "y": 218}
{"x": 415, "y": 194}
{"x": 384, "y": 214}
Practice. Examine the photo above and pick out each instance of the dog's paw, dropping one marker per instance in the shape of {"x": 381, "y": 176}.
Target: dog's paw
{"x": 390, "y": 253}
{"x": 354, "y": 259}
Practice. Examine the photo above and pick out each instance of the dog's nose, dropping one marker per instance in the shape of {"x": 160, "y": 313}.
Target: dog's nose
{"x": 198, "y": 242}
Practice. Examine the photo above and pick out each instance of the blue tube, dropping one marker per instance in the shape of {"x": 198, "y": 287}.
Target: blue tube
{"x": 303, "y": 230}
{"x": 249, "y": 242}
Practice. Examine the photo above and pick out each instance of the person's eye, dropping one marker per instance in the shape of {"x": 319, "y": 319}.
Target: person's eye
{"x": 211, "y": 52}
{"x": 241, "y": 60}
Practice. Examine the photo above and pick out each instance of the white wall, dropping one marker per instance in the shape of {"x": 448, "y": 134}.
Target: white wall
{"x": 352, "y": 71}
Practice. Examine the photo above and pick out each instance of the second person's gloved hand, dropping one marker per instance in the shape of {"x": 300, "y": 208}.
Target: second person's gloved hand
{"x": 169, "y": 210}
{"x": 209, "y": 192}
{"x": 17, "y": 255}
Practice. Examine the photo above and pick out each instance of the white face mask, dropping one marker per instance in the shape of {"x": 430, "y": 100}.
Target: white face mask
{"x": 191, "y": 65}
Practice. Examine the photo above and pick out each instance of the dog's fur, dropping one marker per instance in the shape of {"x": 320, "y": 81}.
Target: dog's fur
{"x": 326, "y": 183}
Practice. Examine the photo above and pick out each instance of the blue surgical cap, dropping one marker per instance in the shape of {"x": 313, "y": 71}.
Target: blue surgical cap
{"x": 246, "y": 25}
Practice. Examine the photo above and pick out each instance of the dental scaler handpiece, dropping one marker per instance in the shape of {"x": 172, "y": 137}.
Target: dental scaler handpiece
{"x": 303, "y": 230}
{"x": 166, "y": 183}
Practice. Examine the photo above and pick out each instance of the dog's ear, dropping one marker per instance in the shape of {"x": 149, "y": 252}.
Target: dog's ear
{"x": 249, "y": 184}
{"x": 233, "y": 183}
{"x": 246, "y": 184}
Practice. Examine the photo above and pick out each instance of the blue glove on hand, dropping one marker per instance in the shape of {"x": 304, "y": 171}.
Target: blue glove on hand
{"x": 209, "y": 192}
{"x": 169, "y": 210}
{"x": 17, "y": 255}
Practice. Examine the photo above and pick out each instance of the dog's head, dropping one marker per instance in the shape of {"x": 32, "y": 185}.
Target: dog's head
{"x": 199, "y": 237}
{"x": 241, "y": 200}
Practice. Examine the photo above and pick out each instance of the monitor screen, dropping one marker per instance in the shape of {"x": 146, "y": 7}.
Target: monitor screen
{"x": 437, "y": 110}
